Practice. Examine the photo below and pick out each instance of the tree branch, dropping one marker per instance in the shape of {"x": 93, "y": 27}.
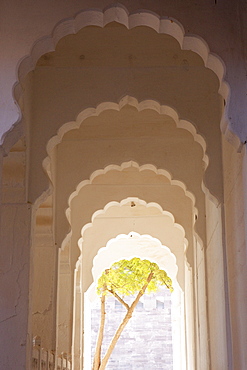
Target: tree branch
{"x": 124, "y": 323}
{"x": 142, "y": 291}
{"x": 118, "y": 298}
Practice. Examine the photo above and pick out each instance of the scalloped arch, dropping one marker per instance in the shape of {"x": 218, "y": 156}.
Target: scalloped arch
{"x": 122, "y": 203}
{"x": 120, "y": 168}
{"x": 123, "y": 166}
{"x": 147, "y": 247}
{"x": 126, "y": 100}
{"x": 118, "y": 13}
{"x": 140, "y": 106}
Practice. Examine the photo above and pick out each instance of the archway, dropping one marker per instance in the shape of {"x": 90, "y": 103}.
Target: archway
{"x": 47, "y": 119}
{"x": 174, "y": 196}
{"x": 119, "y": 14}
{"x": 172, "y": 235}
{"x": 153, "y": 120}
{"x": 144, "y": 247}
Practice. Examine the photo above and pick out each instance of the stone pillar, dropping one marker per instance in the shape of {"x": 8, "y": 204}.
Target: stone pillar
{"x": 76, "y": 345}
{"x": 64, "y": 304}
{"x": 217, "y": 289}
{"x": 44, "y": 277}
{"x": 14, "y": 286}
{"x": 235, "y": 167}
{"x": 15, "y": 237}
{"x": 202, "y": 360}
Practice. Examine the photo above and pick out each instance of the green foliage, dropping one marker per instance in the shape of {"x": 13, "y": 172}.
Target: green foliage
{"x": 127, "y": 277}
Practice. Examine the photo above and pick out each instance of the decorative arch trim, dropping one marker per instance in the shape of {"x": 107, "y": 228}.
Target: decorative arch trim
{"x": 118, "y": 13}
{"x": 135, "y": 245}
{"x": 122, "y": 203}
{"x": 123, "y": 166}
{"x": 126, "y": 100}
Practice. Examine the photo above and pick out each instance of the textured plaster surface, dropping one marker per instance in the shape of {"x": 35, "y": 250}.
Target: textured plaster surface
{"x": 235, "y": 211}
{"x": 129, "y": 138}
{"x": 215, "y": 281}
{"x": 44, "y": 276}
{"x": 43, "y": 308}
{"x": 14, "y": 285}
{"x": 143, "y": 183}
{"x": 59, "y": 89}
{"x": 28, "y": 23}
{"x": 92, "y": 80}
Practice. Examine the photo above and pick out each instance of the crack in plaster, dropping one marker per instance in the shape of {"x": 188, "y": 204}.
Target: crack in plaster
{"x": 11, "y": 243}
{"x": 45, "y": 311}
{"x": 19, "y": 285}
{"x": 235, "y": 183}
{"x": 8, "y": 318}
{"x": 213, "y": 233}
{"x": 19, "y": 295}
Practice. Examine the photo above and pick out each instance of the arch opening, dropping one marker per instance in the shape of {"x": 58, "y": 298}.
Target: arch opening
{"x": 145, "y": 99}
{"x": 99, "y": 234}
{"x": 144, "y": 247}
{"x": 92, "y": 119}
{"x": 120, "y": 15}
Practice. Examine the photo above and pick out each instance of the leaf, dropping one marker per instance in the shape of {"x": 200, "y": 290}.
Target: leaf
{"x": 127, "y": 277}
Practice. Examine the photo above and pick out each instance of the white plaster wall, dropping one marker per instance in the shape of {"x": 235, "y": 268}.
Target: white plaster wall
{"x": 216, "y": 289}
{"x": 235, "y": 211}
{"x": 87, "y": 83}
{"x": 168, "y": 148}
{"x": 24, "y": 24}
{"x": 15, "y": 267}
{"x": 64, "y": 318}
{"x": 44, "y": 289}
{"x": 76, "y": 337}
{"x": 116, "y": 185}
{"x": 190, "y": 321}
{"x": 70, "y": 159}
{"x": 202, "y": 357}
{"x": 14, "y": 286}
{"x": 14, "y": 174}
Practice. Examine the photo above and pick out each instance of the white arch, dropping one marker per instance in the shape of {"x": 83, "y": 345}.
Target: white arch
{"x": 123, "y": 166}
{"x": 145, "y": 247}
{"x": 140, "y": 106}
{"x": 118, "y": 13}
{"x": 134, "y": 245}
{"x": 131, "y": 101}
{"x": 125, "y": 201}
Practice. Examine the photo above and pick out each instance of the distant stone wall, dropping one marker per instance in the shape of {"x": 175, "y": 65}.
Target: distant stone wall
{"x": 146, "y": 342}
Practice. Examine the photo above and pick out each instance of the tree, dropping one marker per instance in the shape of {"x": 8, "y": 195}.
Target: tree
{"x": 126, "y": 278}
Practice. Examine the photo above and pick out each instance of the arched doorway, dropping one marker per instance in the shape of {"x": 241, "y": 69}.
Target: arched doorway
{"x": 149, "y": 248}
{"x": 114, "y": 133}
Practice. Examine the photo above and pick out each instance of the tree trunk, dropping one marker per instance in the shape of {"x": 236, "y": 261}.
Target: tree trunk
{"x": 97, "y": 356}
{"x": 123, "y": 324}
